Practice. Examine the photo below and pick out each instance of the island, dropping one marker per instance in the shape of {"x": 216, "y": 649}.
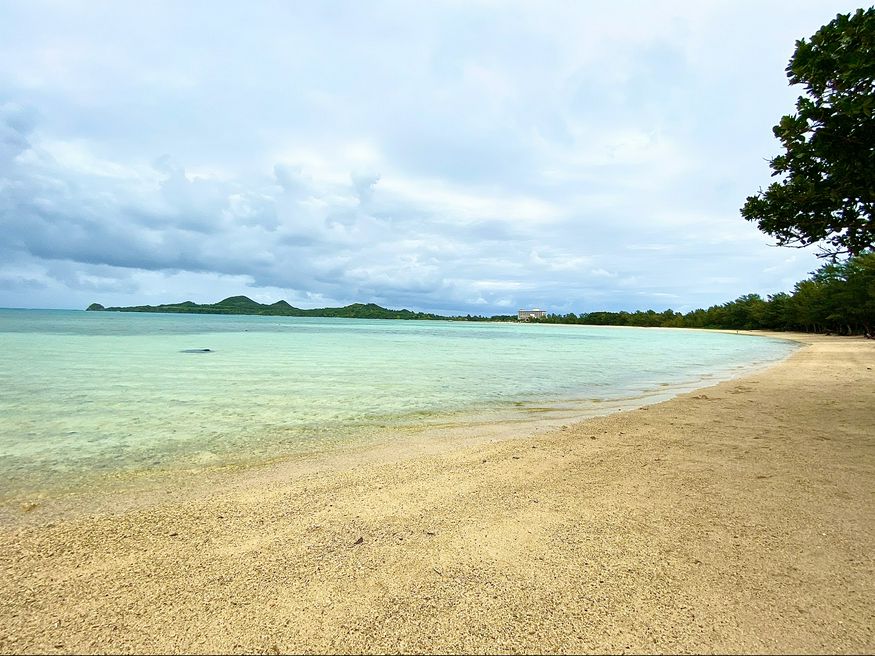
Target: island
{"x": 245, "y": 305}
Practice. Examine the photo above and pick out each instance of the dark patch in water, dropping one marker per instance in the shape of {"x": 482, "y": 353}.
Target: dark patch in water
{"x": 196, "y": 351}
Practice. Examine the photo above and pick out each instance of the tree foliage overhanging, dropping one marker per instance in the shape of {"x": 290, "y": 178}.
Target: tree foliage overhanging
{"x": 826, "y": 191}
{"x": 839, "y": 298}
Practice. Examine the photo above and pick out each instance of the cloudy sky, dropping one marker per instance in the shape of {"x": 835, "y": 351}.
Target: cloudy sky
{"x": 442, "y": 156}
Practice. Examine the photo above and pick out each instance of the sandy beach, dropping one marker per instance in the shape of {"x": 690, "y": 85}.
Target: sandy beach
{"x": 736, "y": 518}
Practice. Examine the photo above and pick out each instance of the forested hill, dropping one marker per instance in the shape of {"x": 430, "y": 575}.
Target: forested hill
{"x": 245, "y": 305}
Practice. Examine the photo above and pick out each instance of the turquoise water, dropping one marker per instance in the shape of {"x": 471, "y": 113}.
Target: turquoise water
{"x": 91, "y": 395}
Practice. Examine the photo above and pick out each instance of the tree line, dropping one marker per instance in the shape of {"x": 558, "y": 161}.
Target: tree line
{"x": 838, "y": 298}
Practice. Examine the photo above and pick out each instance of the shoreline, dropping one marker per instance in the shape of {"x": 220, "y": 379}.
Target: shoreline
{"x": 738, "y": 517}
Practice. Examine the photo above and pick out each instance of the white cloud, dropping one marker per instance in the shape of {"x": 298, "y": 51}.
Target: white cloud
{"x": 436, "y": 156}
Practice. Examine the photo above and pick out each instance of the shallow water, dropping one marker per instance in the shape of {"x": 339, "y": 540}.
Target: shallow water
{"x": 87, "y": 396}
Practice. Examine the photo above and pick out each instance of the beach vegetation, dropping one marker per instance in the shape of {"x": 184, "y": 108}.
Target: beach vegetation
{"x": 825, "y": 192}
{"x": 838, "y": 298}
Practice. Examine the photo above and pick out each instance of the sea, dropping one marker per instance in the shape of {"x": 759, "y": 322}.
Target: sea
{"x": 91, "y": 397}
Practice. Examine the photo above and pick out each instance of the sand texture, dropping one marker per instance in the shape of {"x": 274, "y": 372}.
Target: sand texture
{"x": 738, "y": 518}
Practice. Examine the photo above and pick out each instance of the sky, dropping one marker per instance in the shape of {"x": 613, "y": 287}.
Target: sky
{"x": 455, "y": 157}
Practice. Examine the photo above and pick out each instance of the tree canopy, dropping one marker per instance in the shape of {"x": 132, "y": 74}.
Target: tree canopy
{"x": 826, "y": 191}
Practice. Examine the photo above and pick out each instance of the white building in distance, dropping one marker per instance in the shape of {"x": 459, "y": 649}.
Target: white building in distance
{"x": 525, "y": 315}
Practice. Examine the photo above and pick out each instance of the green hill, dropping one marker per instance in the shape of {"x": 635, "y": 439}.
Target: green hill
{"x": 238, "y": 302}
{"x": 245, "y": 305}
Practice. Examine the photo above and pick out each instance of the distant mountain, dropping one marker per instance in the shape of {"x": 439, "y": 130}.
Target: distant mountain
{"x": 245, "y": 305}
{"x": 239, "y": 302}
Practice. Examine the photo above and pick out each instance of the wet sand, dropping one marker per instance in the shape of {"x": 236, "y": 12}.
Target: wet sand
{"x": 737, "y": 518}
